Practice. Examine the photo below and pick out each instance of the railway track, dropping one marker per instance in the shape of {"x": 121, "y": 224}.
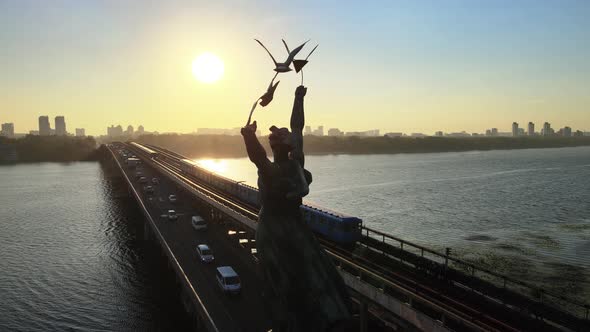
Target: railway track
{"x": 465, "y": 314}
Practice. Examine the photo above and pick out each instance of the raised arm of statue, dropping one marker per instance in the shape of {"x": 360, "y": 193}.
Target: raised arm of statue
{"x": 297, "y": 124}
{"x": 256, "y": 152}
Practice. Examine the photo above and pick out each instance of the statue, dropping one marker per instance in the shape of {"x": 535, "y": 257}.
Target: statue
{"x": 304, "y": 291}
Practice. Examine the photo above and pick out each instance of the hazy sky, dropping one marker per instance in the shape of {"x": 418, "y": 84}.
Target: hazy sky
{"x": 411, "y": 66}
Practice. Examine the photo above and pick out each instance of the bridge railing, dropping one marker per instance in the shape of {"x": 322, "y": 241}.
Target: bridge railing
{"x": 447, "y": 263}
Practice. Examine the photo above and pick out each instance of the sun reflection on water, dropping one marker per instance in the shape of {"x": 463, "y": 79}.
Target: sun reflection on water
{"x": 215, "y": 165}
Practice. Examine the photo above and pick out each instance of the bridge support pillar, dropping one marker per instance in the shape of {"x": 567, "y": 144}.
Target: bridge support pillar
{"x": 364, "y": 313}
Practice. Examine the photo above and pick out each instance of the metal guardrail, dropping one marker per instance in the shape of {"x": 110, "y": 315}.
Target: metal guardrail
{"x": 408, "y": 296}
{"x": 581, "y": 310}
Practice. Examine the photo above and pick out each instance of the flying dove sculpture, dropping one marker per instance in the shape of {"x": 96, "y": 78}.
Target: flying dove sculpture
{"x": 283, "y": 67}
{"x": 266, "y": 98}
{"x": 298, "y": 64}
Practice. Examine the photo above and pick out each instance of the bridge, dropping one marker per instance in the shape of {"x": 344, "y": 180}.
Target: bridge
{"x": 395, "y": 284}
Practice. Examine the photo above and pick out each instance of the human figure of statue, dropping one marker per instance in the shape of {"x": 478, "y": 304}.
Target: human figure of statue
{"x": 304, "y": 291}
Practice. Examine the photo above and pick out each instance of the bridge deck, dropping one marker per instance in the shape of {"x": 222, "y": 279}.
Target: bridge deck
{"x": 230, "y": 313}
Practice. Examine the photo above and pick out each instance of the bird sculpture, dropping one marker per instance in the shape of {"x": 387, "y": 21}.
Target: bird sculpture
{"x": 298, "y": 64}
{"x": 283, "y": 67}
{"x": 266, "y": 98}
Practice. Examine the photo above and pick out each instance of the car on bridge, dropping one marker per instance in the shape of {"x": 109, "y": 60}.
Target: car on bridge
{"x": 138, "y": 175}
{"x": 228, "y": 280}
{"x": 155, "y": 181}
{"x": 199, "y": 223}
{"x": 143, "y": 179}
{"x": 172, "y": 215}
{"x": 205, "y": 253}
{"x": 148, "y": 189}
{"x": 172, "y": 198}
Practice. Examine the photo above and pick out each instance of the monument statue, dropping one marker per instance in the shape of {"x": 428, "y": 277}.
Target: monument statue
{"x": 304, "y": 291}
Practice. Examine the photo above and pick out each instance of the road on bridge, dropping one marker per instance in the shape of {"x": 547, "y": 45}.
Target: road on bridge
{"x": 244, "y": 312}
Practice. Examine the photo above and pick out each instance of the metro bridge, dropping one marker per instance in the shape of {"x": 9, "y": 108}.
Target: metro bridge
{"x": 395, "y": 284}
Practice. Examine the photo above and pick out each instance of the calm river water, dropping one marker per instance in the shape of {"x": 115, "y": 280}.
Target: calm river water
{"x": 72, "y": 255}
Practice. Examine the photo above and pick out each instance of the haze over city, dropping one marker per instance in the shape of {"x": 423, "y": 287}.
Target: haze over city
{"x": 398, "y": 66}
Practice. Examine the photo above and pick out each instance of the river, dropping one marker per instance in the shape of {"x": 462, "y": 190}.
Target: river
{"x": 73, "y": 257}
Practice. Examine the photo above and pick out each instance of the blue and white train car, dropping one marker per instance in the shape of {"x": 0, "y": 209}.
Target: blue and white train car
{"x": 332, "y": 225}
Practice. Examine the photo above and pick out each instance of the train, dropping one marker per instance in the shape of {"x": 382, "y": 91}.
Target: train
{"x": 334, "y": 226}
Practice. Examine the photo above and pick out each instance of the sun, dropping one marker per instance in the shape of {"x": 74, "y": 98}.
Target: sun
{"x": 208, "y": 68}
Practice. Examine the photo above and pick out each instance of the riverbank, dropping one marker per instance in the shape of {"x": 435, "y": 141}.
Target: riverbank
{"x": 225, "y": 146}
{"x": 31, "y": 149}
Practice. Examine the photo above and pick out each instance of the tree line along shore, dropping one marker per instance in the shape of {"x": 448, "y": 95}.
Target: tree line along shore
{"x": 66, "y": 148}
{"x": 225, "y": 146}
{"x": 32, "y": 148}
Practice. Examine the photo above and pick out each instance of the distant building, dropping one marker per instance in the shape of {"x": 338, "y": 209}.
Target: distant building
{"x": 488, "y": 132}
{"x": 461, "y": 134}
{"x": 44, "y": 127}
{"x": 80, "y": 132}
{"x": 140, "y": 130}
{"x": 319, "y": 131}
{"x": 439, "y": 134}
{"x": 579, "y": 133}
{"x": 514, "y": 129}
{"x": 394, "y": 134}
{"x": 417, "y": 135}
{"x": 129, "y": 130}
{"x": 307, "y": 130}
{"x": 547, "y": 131}
{"x": 335, "y": 132}
{"x": 113, "y": 131}
{"x": 531, "y": 131}
{"x": 521, "y": 132}
{"x": 34, "y": 132}
{"x": 567, "y": 132}
{"x": 60, "y": 126}
{"x": 494, "y": 131}
{"x": 368, "y": 133}
{"x": 7, "y": 130}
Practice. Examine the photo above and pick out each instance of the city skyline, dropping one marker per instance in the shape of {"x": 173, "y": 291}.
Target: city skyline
{"x": 420, "y": 66}
{"x": 44, "y": 129}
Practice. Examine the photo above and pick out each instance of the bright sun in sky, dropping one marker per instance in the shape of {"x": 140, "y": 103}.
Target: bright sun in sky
{"x": 208, "y": 68}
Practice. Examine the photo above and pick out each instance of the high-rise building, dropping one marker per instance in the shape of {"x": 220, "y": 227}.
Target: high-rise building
{"x": 531, "y": 131}
{"x": 494, "y": 132}
{"x": 547, "y": 131}
{"x": 319, "y": 131}
{"x": 514, "y": 129}
{"x": 44, "y": 127}
{"x": 130, "y": 130}
{"x": 567, "y": 132}
{"x": 80, "y": 132}
{"x": 60, "y": 126}
{"x": 7, "y": 130}
{"x": 113, "y": 131}
{"x": 438, "y": 134}
{"x": 140, "y": 130}
{"x": 307, "y": 130}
